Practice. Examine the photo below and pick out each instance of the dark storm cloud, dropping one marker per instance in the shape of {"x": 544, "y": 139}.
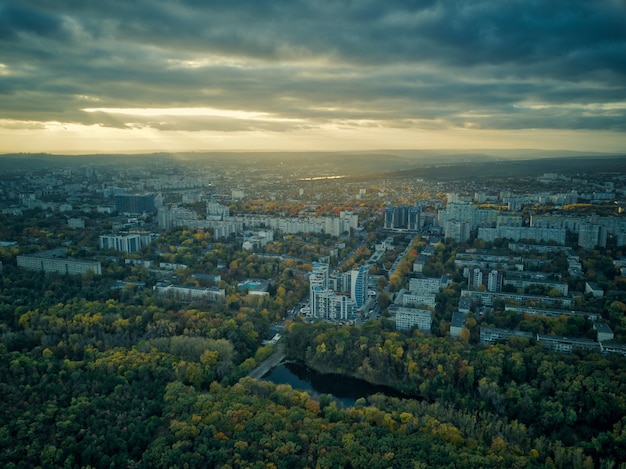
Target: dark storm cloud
{"x": 485, "y": 64}
{"x": 15, "y": 20}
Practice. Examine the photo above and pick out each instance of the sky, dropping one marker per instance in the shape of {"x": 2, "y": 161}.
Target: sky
{"x": 311, "y": 75}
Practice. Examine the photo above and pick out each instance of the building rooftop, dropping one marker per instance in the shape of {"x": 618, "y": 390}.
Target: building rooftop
{"x": 602, "y": 327}
{"x": 258, "y": 285}
{"x": 50, "y": 254}
{"x": 563, "y": 339}
{"x": 458, "y": 319}
{"x": 612, "y": 346}
{"x": 506, "y": 332}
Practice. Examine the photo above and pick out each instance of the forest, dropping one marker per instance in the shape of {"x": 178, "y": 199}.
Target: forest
{"x": 92, "y": 381}
{"x": 574, "y": 400}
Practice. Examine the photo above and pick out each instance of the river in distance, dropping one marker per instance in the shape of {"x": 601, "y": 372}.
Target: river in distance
{"x": 344, "y": 389}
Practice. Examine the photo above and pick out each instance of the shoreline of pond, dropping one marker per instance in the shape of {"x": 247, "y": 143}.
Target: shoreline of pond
{"x": 344, "y": 389}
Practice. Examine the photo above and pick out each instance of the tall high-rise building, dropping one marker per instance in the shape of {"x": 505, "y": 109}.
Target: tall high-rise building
{"x": 397, "y": 217}
{"x": 389, "y": 211}
{"x": 336, "y": 226}
{"x": 215, "y": 210}
{"x": 415, "y": 218}
{"x": 134, "y": 203}
{"x": 494, "y": 281}
{"x": 358, "y": 285}
{"x": 475, "y": 278}
{"x": 164, "y": 218}
{"x": 325, "y": 302}
{"x": 403, "y": 217}
{"x": 319, "y": 275}
{"x": 352, "y": 218}
{"x": 591, "y": 235}
{"x": 130, "y": 243}
{"x": 459, "y": 231}
{"x": 318, "y": 289}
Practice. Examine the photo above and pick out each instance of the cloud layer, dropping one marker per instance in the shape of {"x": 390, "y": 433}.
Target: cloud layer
{"x": 303, "y": 65}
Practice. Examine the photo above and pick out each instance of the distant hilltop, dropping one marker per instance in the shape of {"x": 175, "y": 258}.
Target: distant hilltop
{"x": 375, "y": 164}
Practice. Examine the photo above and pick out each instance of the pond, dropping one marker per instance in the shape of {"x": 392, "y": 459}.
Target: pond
{"x": 344, "y": 389}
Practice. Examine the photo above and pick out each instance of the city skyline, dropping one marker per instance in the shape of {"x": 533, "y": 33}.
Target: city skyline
{"x": 300, "y": 76}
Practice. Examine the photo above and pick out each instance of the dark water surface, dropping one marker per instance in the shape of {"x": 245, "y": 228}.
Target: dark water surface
{"x": 344, "y": 389}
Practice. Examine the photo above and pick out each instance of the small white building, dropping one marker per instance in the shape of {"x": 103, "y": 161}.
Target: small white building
{"x": 456, "y": 326}
{"x": 76, "y": 223}
{"x": 594, "y": 289}
{"x": 604, "y": 331}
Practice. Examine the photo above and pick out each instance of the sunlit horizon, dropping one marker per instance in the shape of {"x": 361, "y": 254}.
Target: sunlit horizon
{"x": 67, "y": 138}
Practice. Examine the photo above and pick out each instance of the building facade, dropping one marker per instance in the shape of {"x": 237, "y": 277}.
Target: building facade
{"x": 189, "y": 293}
{"x": 358, "y": 285}
{"x": 129, "y": 243}
{"x": 407, "y": 318}
{"x": 134, "y": 203}
{"x": 59, "y": 265}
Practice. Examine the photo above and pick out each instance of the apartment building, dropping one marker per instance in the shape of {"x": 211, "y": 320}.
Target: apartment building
{"x": 52, "y": 261}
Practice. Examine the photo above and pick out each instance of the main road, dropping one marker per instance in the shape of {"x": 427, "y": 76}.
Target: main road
{"x": 266, "y": 365}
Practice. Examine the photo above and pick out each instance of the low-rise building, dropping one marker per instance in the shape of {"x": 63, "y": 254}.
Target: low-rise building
{"x": 483, "y": 260}
{"x": 488, "y": 298}
{"x": 189, "y": 293}
{"x": 76, "y": 223}
{"x": 53, "y": 261}
{"x": 594, "y": 289}
{"x": 567, "y": 344}
{"x": 604, "y": 331}
{"x": 172, "y": 266}
{"x": 147, "y": 264}
{"x": 550, "y": 313}
{"x": 420, "y": 262}
{"x": 127, "y": 284}
{"x": 256, "y": 287}
{"x": 456, "y": 326}
{"x": 422, "y": 285}
{"x": 613, "y": 347}
{"x": 465, "y": 304}
{"x": 492, "y": 335}
{"x": 407, "y": 318}
{"x": 407, "y": 298}
{"x": 522, "y": 280}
